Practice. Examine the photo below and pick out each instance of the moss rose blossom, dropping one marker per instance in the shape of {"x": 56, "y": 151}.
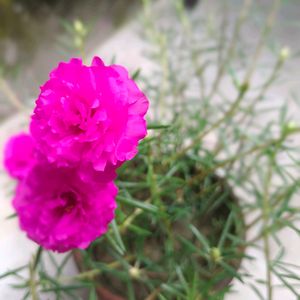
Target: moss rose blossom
{"x": 87, "y": 121}
{"x": 19, "y": 155}
{"x": 60, "y": 211}
{"x": 91, "y": 113}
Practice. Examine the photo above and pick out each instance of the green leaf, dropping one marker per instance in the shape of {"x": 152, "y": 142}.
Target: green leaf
{"x": 37, "y": 257}
{"x": 181, "y": 278}
{"x": 225, "y": 231}
{"x": 12, "y": 272}
{"x": 12, "y": 216}
{"x": 157, "y": 126}
{"x": 66, "y": 287}
{"x": 172, "y": 290}
{"x": 202, "y": 239}
{"x": 136, "y": 74}
{"x": 117, "y": 235}
{"x": 139, "y": 204}
{"x": 93, "y": 294}
{"x": 233, "y": 272}
{"x": 116, "y": 245}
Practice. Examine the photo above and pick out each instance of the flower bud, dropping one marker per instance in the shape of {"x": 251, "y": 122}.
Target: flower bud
{"x": 284, "y": 53}
{"x": 135, "y": 272}
{"x": 291, "y": 126}
{"x": 79, "y": 28}
{"x": 215, "y": 255}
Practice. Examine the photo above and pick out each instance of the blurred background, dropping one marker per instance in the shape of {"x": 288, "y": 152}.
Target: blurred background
{"x": 35, "y": 34}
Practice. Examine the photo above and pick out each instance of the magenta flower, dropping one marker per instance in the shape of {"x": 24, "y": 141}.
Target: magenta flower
{"x": 60, "y": 211}
{"x": 87, "y": 121}
{"x": 19, "y": 155}
{"x": 91, "y": 113}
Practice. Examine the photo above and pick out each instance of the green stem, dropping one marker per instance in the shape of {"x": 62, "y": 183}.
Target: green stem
{"x": 32, "y": 272}
{"x": 231, "y": 51}
{"x": 266, "y": 241}
{"x": 264, "y": 89}
{"x": 91, "y": 274}
{"x": 266, "y": 30}
{"x": 277, "y": 201}
{"x": 250, "y": 108}
{"x": 238, "y": 156}
{"x": 230, "y": 112}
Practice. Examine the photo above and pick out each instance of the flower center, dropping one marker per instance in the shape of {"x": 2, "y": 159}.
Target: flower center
{"x": 70, "y": 199}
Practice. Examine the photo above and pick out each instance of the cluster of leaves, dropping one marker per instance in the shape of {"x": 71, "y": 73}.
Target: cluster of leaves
{"x": 175, "y": 235}
{"x": 218, "y": 94}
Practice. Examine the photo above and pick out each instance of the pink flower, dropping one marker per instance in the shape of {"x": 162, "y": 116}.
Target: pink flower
{"x": 91, "y": 113}
{"x": 60, "y": 211}
{"x": 19, "y": 155}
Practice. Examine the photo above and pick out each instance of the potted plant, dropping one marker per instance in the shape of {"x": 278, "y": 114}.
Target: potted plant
{"x": 212, "y": 185}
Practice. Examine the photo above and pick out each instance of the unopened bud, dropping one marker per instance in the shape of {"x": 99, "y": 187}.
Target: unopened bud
{"x": 215, "y": 255}
{"x": 135, "y": 272}
{"x": 284, "y": 53}
{"x": 291, "y": 126}
{"x": 79, "y": 28}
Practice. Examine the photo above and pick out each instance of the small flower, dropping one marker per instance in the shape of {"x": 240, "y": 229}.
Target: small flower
{"x": 19, "y": 155}
{"x": 91, "y": 113}
{"x": 60, "y": 210}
